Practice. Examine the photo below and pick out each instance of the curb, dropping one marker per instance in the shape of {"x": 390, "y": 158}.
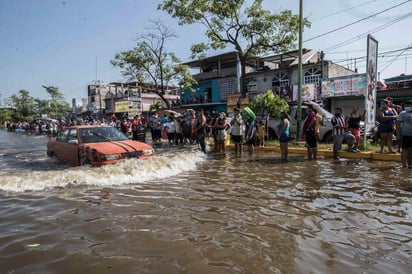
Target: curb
{"x": 367, "y": 155}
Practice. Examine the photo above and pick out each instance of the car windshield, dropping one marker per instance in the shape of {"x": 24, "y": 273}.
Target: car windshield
{"x": 101, "y": 134}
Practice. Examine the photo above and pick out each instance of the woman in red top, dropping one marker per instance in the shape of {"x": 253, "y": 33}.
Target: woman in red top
{"x": 309, "y": 131}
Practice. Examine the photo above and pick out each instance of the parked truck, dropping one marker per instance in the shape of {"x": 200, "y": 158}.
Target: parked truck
{"x": 325, "y": 127}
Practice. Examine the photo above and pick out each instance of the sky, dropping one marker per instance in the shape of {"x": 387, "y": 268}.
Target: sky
{"x": 69, "y": 43}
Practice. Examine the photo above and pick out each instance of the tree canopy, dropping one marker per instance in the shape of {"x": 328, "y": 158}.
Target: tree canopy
{"x": 150, "y": 61}
{"x": 26, "y": 107}
{"x": 269, "y": 103}
{"x": 252, "y": 30}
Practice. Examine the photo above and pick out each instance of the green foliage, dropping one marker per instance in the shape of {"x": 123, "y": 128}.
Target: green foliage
{"x": 150, "y": 61}
{"x": 5, "y": 115}
{"x": 56, "y": 107}
{"x": 26, "y": 107}
{"x": 249, "y": 30}
{"x": 23, "y": 103}
{"x": 269, "y": 103}
{"x": 155, "y": 106}
{"x": 54, "y": 93}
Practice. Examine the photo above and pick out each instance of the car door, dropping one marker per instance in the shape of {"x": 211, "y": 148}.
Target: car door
{"x": 71, "y": 148}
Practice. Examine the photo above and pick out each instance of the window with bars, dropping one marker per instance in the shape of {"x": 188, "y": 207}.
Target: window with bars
{"x": 279, "y": 81}
{"x": 252, "y": 85}
{"x": 226, "y": 87}
{"x": 312, "y": 76}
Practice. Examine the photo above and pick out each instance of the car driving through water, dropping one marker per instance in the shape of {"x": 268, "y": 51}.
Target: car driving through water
{"x": 96, "y": 146}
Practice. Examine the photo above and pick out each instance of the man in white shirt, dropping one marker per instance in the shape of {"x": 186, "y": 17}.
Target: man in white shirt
{"x": 404, "y": 132}
{"x": 237, "y": 131}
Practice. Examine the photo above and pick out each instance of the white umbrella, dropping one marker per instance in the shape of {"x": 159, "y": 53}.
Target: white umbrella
{"x": 172, "y": 112}
{"x": 319, "y": 109}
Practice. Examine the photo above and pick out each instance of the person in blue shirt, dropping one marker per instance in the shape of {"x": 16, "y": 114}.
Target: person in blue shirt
{"x": 387, "y": 119}
{"x": 250, "y": 134}
{"x": 284, "y": 135}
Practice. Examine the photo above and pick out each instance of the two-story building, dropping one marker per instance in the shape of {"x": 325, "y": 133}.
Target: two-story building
{"x": 219, "y": 78}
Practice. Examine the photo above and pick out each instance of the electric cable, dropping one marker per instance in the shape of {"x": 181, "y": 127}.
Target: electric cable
{"x": 341, "y": 11}
{"x": 353, "y": 23}
{"x": 394, "y": 59}
{"x": 361, "y": 36}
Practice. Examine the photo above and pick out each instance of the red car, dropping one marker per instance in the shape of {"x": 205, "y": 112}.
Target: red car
{"x": 96, "y": 146}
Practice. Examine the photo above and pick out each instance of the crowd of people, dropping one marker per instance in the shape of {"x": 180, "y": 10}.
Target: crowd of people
{"x": 198, "y": 127}
{"x": 39, "y": 126}
{"x": 392, "y": 121}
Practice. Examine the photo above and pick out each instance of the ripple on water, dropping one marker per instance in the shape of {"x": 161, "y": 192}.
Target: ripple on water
{"x": 192, "y": 213}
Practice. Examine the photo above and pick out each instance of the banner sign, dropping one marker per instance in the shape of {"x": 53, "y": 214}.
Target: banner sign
{"x": 122, "y": 106}
{"x": 308, "y": 93}
{"x": 343, "y": 86}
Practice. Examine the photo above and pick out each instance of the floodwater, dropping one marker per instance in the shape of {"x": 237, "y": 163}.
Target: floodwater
{"x": 186, "y": 212}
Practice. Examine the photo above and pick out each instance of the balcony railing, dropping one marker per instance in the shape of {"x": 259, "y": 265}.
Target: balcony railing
{"x": 215, "y": 74}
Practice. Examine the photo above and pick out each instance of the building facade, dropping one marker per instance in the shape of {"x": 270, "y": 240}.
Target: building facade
{"x": 219, "y": 77}
{"x": 121, "y": 99}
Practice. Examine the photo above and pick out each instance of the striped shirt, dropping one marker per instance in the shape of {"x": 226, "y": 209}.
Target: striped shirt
{"x": 338, "y": 121}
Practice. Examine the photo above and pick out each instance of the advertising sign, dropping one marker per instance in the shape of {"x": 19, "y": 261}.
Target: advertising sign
{"x": 122, "y": 106}
{"x": 344, "y": 86}
{"x": 371, "y": 72}
{"x": 308, "y": 93}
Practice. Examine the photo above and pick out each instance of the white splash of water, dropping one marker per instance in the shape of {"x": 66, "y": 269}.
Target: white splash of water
{"x": 133, "y": 171}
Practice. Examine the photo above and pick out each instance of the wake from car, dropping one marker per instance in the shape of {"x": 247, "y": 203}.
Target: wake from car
{"x": 129, "y": 172}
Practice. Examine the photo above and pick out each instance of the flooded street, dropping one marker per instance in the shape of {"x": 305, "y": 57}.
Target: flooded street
{"x": 185, "y": 212}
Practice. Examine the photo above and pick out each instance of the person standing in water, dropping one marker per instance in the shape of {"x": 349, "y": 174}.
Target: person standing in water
{"x": 309, "y": 132}
{"x": 200, "y": 129}
{"x": 284, "y": 135}
{"x": 237, "y": 131}
{"x": 353, "y": 125}
{"x": 404, "y": 131}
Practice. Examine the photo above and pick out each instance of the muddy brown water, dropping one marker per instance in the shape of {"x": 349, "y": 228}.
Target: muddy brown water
{"x": 186, "y": 212}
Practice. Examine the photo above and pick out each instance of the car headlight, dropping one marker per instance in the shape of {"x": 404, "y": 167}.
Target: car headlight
{"x": 148, "y": 152}
{"x": 110, "y": 157}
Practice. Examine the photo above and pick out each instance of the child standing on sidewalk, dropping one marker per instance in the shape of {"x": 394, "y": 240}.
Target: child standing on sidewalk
{"x": 261, "y": 131}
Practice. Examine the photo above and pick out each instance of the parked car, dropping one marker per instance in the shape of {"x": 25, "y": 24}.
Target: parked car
{"x": 325, "y": 128}
{"x": 96, "y": 146}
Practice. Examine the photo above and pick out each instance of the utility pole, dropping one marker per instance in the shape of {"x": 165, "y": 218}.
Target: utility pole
{"x": 299, "y": 107}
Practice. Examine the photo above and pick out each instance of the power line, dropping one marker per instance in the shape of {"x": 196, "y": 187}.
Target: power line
{"x": 341, "y": 11}
{"x": 360, "y": 20}
{"x": 361, "y": 36}
{"x": 396, "y": 57}
{"x": 380, "y": 55}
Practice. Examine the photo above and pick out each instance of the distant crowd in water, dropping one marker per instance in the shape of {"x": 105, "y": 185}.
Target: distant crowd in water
{"x": 38, "y": 127}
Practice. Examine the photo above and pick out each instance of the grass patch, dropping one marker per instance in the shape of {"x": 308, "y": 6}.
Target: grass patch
{"x": 369, "y": 145}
